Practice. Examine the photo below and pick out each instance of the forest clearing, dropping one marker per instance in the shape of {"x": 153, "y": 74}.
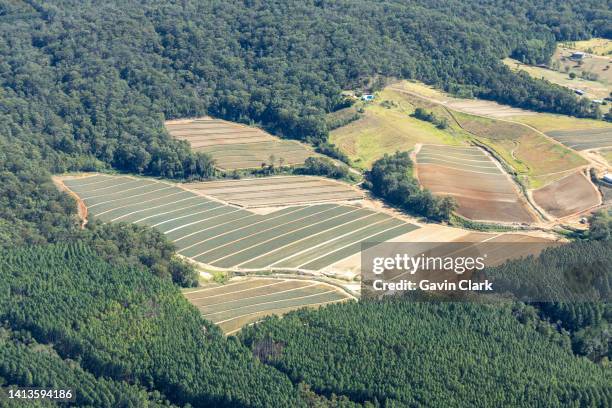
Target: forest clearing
{"x": 221, "y": 235}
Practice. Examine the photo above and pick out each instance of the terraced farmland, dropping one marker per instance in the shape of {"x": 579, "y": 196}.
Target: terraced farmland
{"x": 243, "y": 301}
{"x": 570, "y": 195}
{"x": 584, "y": 139}
{"x": 482, "y": 190}
{"x": 306, "y": 237}
{"x": 276, "y": 191}
{"x": 234, "y": 146}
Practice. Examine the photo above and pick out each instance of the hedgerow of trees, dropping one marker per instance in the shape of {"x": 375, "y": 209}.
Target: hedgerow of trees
{"x": 391, "y": 179}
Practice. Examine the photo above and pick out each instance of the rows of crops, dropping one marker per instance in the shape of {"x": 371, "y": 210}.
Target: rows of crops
{"x": 274, "y": 191}
{"x": 584, "y": 139}
{"x": 235, "y": 146}
{"x": 482, "y": 190}
{"x": 304, "y": 237}
{"x": 235, "y": 304}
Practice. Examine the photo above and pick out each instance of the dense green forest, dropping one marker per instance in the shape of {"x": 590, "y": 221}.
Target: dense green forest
{"x": 398, "y": 353}
{"x": 390, "y": 178}
{"x": 86, "y": 85}
{"x": 570, "y": 286}
{"x": 119, "y": 323}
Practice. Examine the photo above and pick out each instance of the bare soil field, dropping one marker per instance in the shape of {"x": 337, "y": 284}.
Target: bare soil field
{"x": 277, "y": 191}
{"x": 246, "y": 300}
{"x": 234, "y": 146}
{"x": 482, "y": 191}
{"x": 570, "y": 195}
{"x": 438, "y": 236}
{"x": 536, "y": 158}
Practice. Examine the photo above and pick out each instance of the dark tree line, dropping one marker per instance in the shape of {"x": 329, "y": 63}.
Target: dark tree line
{"x": 125, "y": 330}
{"x": 88, "y": 86}
{"x": 391, "y": 179}
{"x": 400, "y": 353}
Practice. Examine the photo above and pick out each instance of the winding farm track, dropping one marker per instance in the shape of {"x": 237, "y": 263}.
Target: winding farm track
{"x": 528, "y": 194}
{"x": 483, "y": 191}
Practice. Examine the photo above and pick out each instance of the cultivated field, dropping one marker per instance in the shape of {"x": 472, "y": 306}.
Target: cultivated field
{"x": 480, "y": 187}
{"x": 592, "y": 89}
{"x": 234, "y": 146}
{"x": 385, "y": 127}
{"x": 243, "y": 301}
{"x": 307, "y": 237}
{"x": 485, "y": 108}
{"x": 570, "y": 195}
{"x": 438, "y": 236}
{"x": 536, "y": 158}
{"x": 277, "y": 191}
{"x": 584, "y": 139}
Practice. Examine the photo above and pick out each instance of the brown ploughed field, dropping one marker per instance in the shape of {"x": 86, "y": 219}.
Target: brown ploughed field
{"x": 570, "y": 195}
{"x": 482, "y": 191}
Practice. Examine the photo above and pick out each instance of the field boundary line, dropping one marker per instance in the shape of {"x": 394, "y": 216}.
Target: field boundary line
{"x": 159, "y": 206}
{"x": 256, "y": 296}
{"x": 191, "y": 215}
{"x": 108, "y": 177}
{"x": 455, "y": 163}
{"x": 279, "y": 281}
{"x": 124, "y": 198}
{"x": 258, "y": 232}
{"x": 81, "y": 207}
{"x": 131, "y": 180}
{"x": 348, "y": 245}
{"x": 436, "y": 155}
{"x": 455, "y": 168}
{"x": 211, "y": 227}
{"x": 131, "y": 204}
{"x": 324, "y": 243}
{"x": 286, "y": 233}
{"x": 223, "y": 285}
{"x": 499, "y": 200}
{"x": 269, "y": 302}
{"x": 274, "y": 313}
{"x": 313, "y": 235}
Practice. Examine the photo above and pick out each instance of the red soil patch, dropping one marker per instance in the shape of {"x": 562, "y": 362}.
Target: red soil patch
{"x": 486, "y": 197}
{"x": 570, "y": 195}
{"x": 81, "y": 207}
